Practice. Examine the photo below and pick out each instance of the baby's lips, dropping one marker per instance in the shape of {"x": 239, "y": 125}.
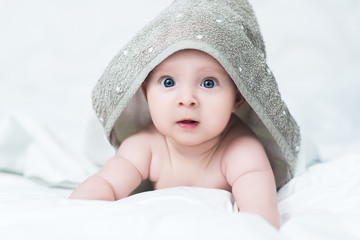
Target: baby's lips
{"x": 187, "y": 121}
{"x": 187, "y": 124}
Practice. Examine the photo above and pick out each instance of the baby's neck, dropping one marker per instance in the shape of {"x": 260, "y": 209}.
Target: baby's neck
{"x": 201, "y": 153}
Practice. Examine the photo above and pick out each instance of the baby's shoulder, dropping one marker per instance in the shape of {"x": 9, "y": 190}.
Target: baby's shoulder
{"x": 137, "y": 149}
{"x": 240, "y": 141}
{"x": 143, "y": 138}
{"x": 243, "y": 151}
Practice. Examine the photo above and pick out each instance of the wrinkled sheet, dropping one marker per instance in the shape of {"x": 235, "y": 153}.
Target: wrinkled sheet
{"x": 321, "y": 203}
{"x": 52, "y": 53}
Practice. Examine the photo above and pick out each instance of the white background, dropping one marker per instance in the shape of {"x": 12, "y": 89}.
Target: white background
{"x": 53, "y": 52}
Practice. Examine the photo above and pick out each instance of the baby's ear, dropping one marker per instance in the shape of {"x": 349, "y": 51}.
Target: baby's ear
{"x": 239, "y": 100}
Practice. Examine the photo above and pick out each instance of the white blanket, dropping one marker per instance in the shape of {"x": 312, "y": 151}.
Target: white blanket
{"x": 322, "y": 203}
{"x": 52, "y": 52}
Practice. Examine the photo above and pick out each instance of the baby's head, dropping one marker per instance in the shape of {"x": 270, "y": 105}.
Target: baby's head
{"x": 226, "y": 36}
{"x": 191, "y": 90}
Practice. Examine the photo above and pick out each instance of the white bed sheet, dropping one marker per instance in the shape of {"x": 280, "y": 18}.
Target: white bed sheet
{"x": 321, "y": 203}
{"x": 53, "y": 52}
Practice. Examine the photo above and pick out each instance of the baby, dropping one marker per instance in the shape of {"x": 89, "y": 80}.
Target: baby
{"x": 193, "y": 140}
{"x": 212, "y": 124}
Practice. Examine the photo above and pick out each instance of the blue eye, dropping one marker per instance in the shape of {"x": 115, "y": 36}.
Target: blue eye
{"x": 209, "y": 83}
{"x": 167, "y": 82}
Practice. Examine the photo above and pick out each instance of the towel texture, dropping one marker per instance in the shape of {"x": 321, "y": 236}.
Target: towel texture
{"x": 228, "y": 31}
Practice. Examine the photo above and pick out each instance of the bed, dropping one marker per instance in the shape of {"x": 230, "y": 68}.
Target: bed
{"x": 53, "y": 53}
{"x": 322, "y": 203}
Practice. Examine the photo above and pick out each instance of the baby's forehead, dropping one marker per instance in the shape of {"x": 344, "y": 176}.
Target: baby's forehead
{"x": 191, "y": 58}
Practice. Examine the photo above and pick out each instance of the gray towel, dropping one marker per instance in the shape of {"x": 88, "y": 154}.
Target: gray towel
{"x": 228, "y": 31}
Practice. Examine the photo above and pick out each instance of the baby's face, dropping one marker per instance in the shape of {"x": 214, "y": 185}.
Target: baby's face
{"x": 190, "y": 97}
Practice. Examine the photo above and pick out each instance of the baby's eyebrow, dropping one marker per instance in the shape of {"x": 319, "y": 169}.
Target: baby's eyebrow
{"x": 160, "y": 71}
{"x": 171, "y": 69}
{"x": 163, "y": 69}
{"x": 213, "y": 68}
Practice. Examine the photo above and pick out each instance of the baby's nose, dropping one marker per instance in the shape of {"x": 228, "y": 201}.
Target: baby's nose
{"x": 188, "y": 101}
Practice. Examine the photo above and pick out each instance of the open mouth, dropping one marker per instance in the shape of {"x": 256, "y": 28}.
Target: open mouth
{"x": 187, "y": 124}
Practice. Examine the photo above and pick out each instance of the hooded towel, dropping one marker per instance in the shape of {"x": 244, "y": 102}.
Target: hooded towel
{"x": 228, "y": 31}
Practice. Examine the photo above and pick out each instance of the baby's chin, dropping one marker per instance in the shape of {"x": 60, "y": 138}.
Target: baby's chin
{"x": 193, "y": 140}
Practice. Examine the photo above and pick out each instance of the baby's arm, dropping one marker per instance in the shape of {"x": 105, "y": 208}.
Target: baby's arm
{"x": 120, "y": 175}
{"x": 248, "y": 171}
